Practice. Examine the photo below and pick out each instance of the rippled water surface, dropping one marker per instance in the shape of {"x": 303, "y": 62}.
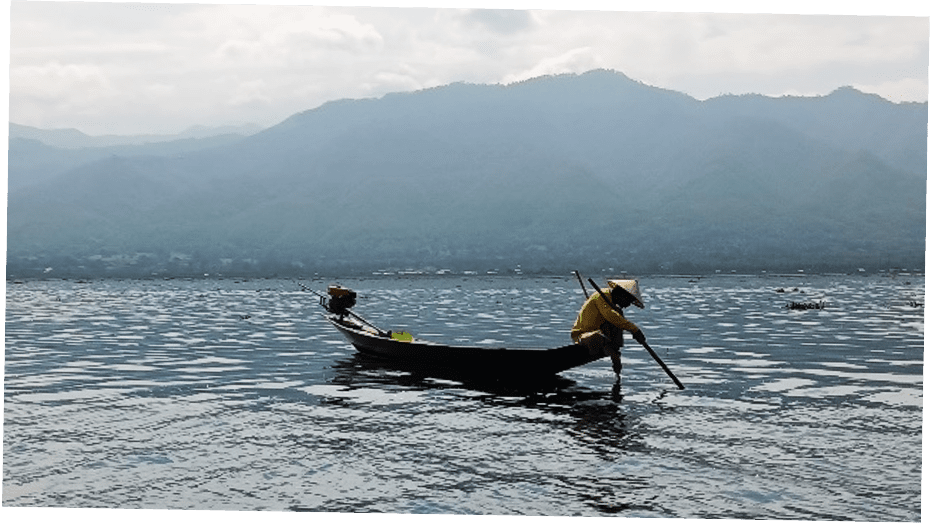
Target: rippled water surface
{"x": 232, "y": 394}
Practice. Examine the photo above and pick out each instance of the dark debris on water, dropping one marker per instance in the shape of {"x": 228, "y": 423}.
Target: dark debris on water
{"x": 806, "y": 306}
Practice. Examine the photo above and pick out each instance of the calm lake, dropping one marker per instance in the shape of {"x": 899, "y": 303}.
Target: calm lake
{"x": 225, "y": 394}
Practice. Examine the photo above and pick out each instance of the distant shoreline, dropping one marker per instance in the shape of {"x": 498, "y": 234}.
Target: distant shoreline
{"x": 891, "y": 273}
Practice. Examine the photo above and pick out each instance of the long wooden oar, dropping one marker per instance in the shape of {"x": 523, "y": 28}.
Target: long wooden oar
{"x": 665, "y": 368}
{"x": 645, "y": 345}
{"x": 579, "y": 277}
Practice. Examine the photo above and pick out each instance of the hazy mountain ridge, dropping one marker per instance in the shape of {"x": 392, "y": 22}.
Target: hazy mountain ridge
{"x": 70, "y": 138}
{"x": 575, "y": 171}
{"x": 32, "y": 161}
{"x": 838, "y": 118}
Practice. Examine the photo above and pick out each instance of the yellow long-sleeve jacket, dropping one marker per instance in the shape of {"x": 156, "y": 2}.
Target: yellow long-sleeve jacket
{"x": 594, "y": 313}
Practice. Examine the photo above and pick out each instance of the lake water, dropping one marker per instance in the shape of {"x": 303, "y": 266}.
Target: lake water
{"x": 224, "y": 394}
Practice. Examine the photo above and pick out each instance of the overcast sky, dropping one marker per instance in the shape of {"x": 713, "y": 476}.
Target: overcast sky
{"x": 127, "y": 68}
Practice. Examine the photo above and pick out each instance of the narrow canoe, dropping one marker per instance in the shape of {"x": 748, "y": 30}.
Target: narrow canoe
{"x": 474, "y": 361}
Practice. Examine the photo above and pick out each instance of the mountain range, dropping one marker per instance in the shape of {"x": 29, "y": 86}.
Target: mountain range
{"x": 588, "y": 172}
{"x": 70, "y": 138}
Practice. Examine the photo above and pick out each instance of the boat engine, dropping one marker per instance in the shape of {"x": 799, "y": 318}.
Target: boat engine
{"x": 340, "y": 301}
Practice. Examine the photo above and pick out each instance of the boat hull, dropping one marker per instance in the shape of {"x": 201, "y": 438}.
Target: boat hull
{"x": 465, "y": 360}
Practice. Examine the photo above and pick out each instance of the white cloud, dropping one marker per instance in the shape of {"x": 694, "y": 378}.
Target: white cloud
{"x": 904, "y": 90}
{"x": 260, "y": 36}
{"x": 160, "y": 92}
{"x": 402, "y": 80}
{"x": 61, "y": 86}
{"x": 573, "y": 61}
{"x": 502, "y": 21}
{"x": 252, "y": 92}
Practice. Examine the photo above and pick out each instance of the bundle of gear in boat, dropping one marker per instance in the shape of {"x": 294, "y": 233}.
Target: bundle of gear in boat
{"x": 340, "y": 301}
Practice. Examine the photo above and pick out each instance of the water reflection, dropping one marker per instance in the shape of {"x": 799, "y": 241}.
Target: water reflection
{"x": 596, "y": 418}
{"x": 363, "y": 369}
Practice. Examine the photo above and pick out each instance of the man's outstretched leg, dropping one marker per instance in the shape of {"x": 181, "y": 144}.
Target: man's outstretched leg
{"x": 606, "y": 341}
{"x": 615, "y": 355}
{"x": 614, "y": 340}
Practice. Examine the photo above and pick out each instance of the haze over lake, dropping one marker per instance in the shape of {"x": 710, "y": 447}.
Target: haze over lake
{"x": 588, "y": 172}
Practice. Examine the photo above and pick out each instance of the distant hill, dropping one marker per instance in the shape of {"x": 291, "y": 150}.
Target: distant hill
{"x": 33, "y": 162}
{"x": 74, "y": 139}
{"x": 583, "y": 171}
{"x": 38, "y": 156}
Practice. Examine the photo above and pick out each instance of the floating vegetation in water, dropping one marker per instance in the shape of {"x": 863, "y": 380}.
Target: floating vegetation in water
{"x": 806, "y": 306}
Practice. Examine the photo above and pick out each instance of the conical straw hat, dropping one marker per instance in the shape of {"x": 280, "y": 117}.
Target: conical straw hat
{"x": 630, "y": 286}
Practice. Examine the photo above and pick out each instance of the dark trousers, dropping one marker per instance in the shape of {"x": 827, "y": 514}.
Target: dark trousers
{"x": 606, "y": 341}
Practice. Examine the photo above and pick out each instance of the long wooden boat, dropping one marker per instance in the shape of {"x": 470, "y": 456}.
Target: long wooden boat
{"x": 475, "y": 361}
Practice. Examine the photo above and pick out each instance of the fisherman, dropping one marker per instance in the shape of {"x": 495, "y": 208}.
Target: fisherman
{"x": 600, "y": 328}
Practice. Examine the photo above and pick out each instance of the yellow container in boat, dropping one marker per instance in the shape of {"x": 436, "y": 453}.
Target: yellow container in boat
{"x": 402, "y": 336}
